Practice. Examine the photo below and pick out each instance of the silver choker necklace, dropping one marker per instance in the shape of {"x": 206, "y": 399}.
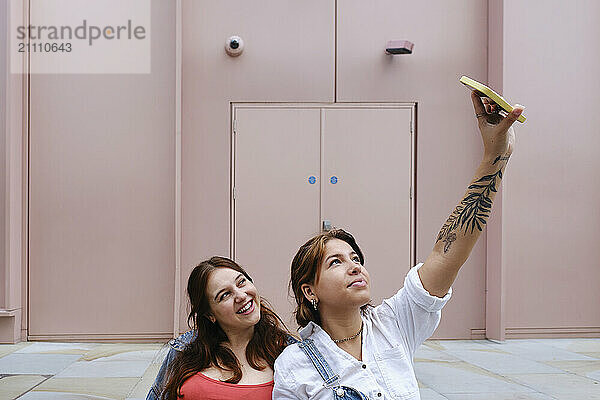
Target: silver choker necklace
{"x": 349, "y": 338}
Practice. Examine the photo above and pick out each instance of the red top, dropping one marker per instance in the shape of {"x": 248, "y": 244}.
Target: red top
{"x": 200, "y": 386}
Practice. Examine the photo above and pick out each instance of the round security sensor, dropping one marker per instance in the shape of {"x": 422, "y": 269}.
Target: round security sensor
{"x": 234, "y": 46}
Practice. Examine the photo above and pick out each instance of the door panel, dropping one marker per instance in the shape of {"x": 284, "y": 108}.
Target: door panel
{"x": 102, "y": 199}
{"x": 366, "y": 188}
{"x": 276, "y": 206}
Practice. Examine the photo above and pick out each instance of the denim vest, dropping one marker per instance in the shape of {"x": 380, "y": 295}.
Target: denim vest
{"x": 177, "y": 345}
{"x": 331, "y": 379}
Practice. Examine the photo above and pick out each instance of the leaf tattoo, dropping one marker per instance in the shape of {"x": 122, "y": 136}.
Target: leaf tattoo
{"x": 473, "y": 211}
{"x": 500, "y": 158}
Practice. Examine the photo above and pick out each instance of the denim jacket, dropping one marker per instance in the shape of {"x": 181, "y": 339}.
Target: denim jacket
{"x": 175, "y": 345}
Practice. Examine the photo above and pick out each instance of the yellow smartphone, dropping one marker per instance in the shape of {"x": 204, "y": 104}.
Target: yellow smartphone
{"x": 495, "y": 97}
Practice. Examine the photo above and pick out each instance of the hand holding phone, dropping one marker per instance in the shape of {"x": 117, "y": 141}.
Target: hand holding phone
{"x": 487, "y": 92}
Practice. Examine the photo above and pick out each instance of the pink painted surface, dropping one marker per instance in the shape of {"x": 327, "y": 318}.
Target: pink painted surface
{"x": 546, "y": 268}
{"x": 288, "y": 56}
{"x": 15, "y": 195}
{"x": 13, "y": 189}
{"x": 551, "y": 214}
{"x": 276, "y": 206}
{"x": 369, "y": 151}
{"x": 451, "y": 44}
{"x": 4, "y": 65}
{"x": 495, "y": 318}
{"x": 450, "y": 41}
{"x": 102, "y": 211}
{"x": 11, "y": 132}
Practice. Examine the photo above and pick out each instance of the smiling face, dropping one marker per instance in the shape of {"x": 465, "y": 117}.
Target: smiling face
{"x": 342, "y": 282}
{"x": 233, "y": 300}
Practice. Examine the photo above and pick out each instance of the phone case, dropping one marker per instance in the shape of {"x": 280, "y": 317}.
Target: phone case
{"x": 495, "y": 97}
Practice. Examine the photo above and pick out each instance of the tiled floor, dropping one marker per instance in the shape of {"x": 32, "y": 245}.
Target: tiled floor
{"x": 536, "y": 369}
{"x": 78, "y": 371}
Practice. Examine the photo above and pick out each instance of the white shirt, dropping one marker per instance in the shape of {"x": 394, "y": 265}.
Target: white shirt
{"x": 392, "y": 332}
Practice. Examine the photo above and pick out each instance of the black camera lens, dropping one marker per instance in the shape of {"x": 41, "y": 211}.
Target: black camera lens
{"x": 234, "y": 44}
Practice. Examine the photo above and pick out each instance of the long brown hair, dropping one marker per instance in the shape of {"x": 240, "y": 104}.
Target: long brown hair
{"x": 305, "y": 269}
{"x": 209, "y": 348}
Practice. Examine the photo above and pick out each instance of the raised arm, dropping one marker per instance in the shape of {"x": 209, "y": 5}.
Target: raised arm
{"x": 461, "y": 230}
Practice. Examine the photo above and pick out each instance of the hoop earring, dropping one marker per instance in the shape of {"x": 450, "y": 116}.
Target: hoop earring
{"x": 314, "y": 304}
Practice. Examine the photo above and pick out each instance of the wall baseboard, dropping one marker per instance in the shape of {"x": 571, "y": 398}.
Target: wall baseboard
{"x": 543, "y": 333}
{"x": 477, "y": 334}
{"x": 104, "y": 338}
{"x": 564, "y": 332}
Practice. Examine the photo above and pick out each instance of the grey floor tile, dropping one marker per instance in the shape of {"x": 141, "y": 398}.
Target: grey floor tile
{"x": 502, "y": 363}
{"x": 537, "y": 351}
{"x": 585, "y": 368}
{"x": 113, "y": 388}
{"x": 450, "y": 346}
{"x": 105, "y": 369}
{"x": 579, "y": 345}
{"x": 577, "y": 396}
{"x": 61, "y": 396}
{"x": 11, "y": 348}
{"x": 142, "y": 388}
{"x": 425, "y": 353}
{"x": 36, "y": 364}
{"x": 56, "y": 348}
{"x": 499, "y": 396}
{"x": 461, "y": 377}
{"x": 13, "y": 386}
{"x": 594, "y": 375}
{"x": 430, "y": 394}
{"x": 142, "y": 355}
{"x": 560, "y": 385}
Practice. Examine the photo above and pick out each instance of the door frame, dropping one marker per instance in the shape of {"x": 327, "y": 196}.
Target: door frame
{"x": 412, "y": 106}
{"x": 24, "y": 185}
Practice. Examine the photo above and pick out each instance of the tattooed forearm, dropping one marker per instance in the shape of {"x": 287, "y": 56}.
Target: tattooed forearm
{"x": 500, "y": 158}
{"x": 474, "y": 209}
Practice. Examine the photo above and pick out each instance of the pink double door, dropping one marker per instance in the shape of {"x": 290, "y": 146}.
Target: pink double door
{"x": 300, "y": 168}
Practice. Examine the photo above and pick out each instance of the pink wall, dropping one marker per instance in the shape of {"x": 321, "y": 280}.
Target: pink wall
{"x": 539, "y": 262}
{"x": 12, "y": 304}
{"x": 347, "y": 65}
{"x": 551, "y": 64}
{"x": 286, "y": 59}
{"x": 450, "y": 40}
{"x": 102, "y": 199}
{"x": 3, "y": 74}
{"x": 495, "y": 276}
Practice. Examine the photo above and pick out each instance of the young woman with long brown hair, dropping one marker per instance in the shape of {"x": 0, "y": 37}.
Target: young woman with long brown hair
{"x": 236, "y": 337}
